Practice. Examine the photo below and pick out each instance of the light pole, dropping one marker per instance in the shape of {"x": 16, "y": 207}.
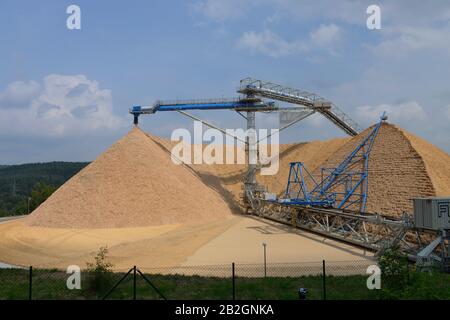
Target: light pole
{"x": 29, "y": 199}
{"x": 265, "y": 259}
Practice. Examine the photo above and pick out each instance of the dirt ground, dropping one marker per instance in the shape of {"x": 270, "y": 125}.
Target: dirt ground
{"x": 242, "y": 243}
{"x": 25, "y": 245}
{"x": 237, "y": 239}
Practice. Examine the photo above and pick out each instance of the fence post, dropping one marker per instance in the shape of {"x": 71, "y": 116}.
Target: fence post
{"x": 265, "y": 260}
{"x": 134, "y": 283}
{"x": 151, "y": 284}
{"x": 30, "y": 283}
{"x": 115, "y": 286}
{"x": 323, "y": 281}
{"x": 233, "y": 281}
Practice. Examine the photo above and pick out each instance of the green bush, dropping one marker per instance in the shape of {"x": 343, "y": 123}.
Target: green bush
{"x": 394, "y": 273}
{"x": 100, "y": 274}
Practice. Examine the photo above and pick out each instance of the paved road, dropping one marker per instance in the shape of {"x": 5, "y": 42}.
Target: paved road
{"x": 5, "y": 219}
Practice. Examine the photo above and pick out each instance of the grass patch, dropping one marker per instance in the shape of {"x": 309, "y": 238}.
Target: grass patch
{"x": 51, "y": 284}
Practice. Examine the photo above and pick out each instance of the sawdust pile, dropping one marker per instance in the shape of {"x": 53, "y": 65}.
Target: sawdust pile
{"x": 134, "y": 183}
{"x": 182, "y": 208}
{"x": 401, "y": 166}
{"x": 437, "y": 163}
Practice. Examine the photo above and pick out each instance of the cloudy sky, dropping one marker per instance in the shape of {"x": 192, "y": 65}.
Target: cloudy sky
{"x": 64, "y": 94}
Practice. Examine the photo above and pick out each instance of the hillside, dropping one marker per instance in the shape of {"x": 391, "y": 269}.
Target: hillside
{"x": 17, "y": 181}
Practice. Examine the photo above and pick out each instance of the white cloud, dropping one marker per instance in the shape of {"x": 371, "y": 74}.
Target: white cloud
{"x": 274, "y": 18}
{"x": 273, "y": 45}
{"x": 407, "y": 24}
{"x": 403, "y": 40}
{"x": 398, "y": 12}
{"x": 223, "y": 10}
{"x": 270, "y": 44}
{"x": 19, "y": 94}
{"x": 404, "y": 113}
{"x": 327, "y": 35}
{"x": 61, "y": 106}
{"x": 219, "y": 10}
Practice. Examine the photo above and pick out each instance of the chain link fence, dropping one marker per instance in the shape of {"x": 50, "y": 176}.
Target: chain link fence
{"x": 14, "y": 283}
{"x": 322, "y": 280}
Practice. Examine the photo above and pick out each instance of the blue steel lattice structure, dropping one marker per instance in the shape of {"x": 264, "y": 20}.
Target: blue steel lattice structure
{"x": 341, "y": 187}
{"x": 302, "y": 105}
{"x": 236, "y": 104}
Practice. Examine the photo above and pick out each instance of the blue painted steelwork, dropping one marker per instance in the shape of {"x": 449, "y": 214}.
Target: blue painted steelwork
{"x": 210, "y": 104}
{"x": 338, "y": 186}
{"x": 297, "y": 187}
{"x": 203, "y": 106}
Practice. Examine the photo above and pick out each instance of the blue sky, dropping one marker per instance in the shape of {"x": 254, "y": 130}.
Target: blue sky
{"x": 64, "y": 94}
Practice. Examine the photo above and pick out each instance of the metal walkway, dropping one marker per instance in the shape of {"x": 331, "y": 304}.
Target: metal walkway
{"x": 250, "y": 86}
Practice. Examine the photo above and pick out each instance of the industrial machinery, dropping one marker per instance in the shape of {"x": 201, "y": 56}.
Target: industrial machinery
{"x": 433, "y": 214}
{"x": 302, "y": 105}
{"x": 428, "y": 246}
{"x": 312, "y": 101}
{"x": 342, "y": 187}
{"x": 334, "y": 205}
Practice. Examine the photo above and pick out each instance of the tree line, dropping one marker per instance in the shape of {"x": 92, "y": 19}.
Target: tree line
{"x": 24, "y": 187}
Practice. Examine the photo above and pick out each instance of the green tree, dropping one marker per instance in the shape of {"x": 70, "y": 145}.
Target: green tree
{"x": 100, "y": 272}
{"x": 17, "y": 182}
{"x": 40, "y": 192}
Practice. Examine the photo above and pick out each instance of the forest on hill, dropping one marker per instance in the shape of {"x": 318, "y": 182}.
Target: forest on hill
{"x": 24, "y": 187}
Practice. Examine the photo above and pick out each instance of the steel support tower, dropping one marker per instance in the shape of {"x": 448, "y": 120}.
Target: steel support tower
{"x": 303, "y": 104}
